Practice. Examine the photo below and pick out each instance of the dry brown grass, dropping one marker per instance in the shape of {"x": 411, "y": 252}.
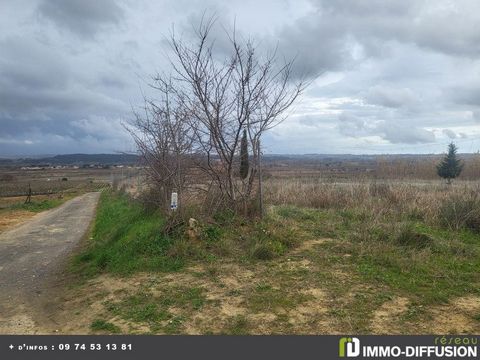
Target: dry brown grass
{"x": 420, "y": 199}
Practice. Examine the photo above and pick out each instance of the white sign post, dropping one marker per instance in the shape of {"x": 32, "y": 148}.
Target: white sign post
{"x": 174, "y": 201}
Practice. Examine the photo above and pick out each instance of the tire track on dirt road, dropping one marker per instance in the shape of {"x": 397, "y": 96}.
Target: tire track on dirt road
{"x": 32, "y": 256}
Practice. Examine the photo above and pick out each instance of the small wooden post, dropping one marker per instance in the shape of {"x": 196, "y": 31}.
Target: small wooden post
{"x": 29, "y": 195}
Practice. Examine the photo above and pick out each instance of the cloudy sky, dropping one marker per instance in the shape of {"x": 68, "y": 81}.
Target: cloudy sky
{"x": 387, "y": 76}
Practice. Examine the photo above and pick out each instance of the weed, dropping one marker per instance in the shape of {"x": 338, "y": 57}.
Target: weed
{"x": 102, "y": 325}
{"x": 38, "y": 206}
{"x": 407, "y": 236}
{"x": 461, "y": 211}
{"x": 238, "y": 325}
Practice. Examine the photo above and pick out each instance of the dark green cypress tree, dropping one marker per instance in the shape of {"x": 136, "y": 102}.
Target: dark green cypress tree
{"x": 244, "y": 165}
{"x": 450, "y": 167}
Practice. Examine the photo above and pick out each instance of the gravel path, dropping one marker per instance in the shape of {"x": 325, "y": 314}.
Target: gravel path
{"x": 32, "y": 254}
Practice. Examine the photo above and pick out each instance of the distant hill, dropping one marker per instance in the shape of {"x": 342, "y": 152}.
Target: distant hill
{"x": 74, "y": 159}
{"x": 130, "y": 159}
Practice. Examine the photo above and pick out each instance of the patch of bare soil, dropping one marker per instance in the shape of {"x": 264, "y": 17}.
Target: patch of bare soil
{"x": 310, "y": 244}
{"x": 312, "y": 317}
{"x": 9, "y": 219}
{"x": 457, "y": 317}
{"x": 73, "y": 310}
{"x": 226, "y": 289}
{"x": 12, "y": 217}
{"x": 386, "y": 318}
{"x": 18, "y": 324}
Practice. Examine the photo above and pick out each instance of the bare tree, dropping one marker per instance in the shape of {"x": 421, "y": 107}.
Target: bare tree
{"x": 206, "y": 106}
{"x": 163, "y": 137}
{"x": 242, "y": 91}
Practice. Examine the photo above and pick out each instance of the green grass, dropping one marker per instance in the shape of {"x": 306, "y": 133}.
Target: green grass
{"x": 420, "y": 260}
{"x": 126, "y": 239}
{"x": 266, "y": 298}
{"x": 102, "y": 325}
{"x": 154, "y": 310}
{"x": 37, "y": 206}
{"x": 426, "y": 261}
{"x": 370, "y": 259}
{"x": 238, "y": 325}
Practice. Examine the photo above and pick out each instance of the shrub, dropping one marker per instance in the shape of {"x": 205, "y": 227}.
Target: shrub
{"x": 460, "y": 211}
{"x": 263, "y": 252}
{"x": 406, "y": 235}
{"x": 211, "y": 234}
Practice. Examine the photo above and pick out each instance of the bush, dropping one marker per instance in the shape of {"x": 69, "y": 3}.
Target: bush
{"x": 406, "y": 235}
{"x": 458, "y": 212}
{"x": 263, "y": 252}
{"x": 211, "y": 234}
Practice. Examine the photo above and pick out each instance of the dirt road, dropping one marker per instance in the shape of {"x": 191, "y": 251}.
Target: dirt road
{"x": 31, "y": 258}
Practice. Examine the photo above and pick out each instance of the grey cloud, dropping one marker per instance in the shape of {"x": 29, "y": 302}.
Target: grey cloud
{"x": 72, "y": 102}
{"x": 316, "y": 47}
{"x": 30, "y": 64}
{"x": 111, "y": 80}
{"x": 391, "y": 97}
{"x": 390, "y": 130}
{"x": 40, "y": 98}
{"x": 449, "y": 133}
{"x": 351, "y": 125}
{"x": 476, "y": 115}
{"x": 391, "y": 70}
{"x": 339, "y": 34}
{"x": 468, "y": 94}
{"x": 406, "y": 135}
{"x": 82, "y": 17}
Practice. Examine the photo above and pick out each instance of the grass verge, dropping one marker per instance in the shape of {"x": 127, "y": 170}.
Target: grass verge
{"x": 300, "y": 270}
{"x": 126, "y": 239}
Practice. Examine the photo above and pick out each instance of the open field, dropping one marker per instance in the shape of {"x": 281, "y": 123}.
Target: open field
{"x": 44, "y": 181}
{"x": 332, "y": 255}
{"x": 350, "y": 257}
{"x": 335, "y": 168}
{"x": 50, "y": 188}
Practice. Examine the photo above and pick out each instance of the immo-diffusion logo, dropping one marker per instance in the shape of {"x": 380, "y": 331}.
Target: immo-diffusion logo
{"x": 456, "y": 347}
{"x": 349, "y": 346}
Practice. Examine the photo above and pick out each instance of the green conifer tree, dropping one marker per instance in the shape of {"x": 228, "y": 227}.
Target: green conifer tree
{"x": 450, "y": 167}
{"x": 244, "y": 165}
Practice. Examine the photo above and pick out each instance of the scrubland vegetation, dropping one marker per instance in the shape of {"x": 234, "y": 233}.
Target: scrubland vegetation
{"x": 373, "y": 257}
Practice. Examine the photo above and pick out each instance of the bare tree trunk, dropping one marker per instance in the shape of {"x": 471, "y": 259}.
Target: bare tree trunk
{"x": 260, "y": 180}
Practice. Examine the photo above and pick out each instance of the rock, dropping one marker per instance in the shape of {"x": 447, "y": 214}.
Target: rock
{"x": 193, "y": 230}
{"x": 192, "y": 223}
